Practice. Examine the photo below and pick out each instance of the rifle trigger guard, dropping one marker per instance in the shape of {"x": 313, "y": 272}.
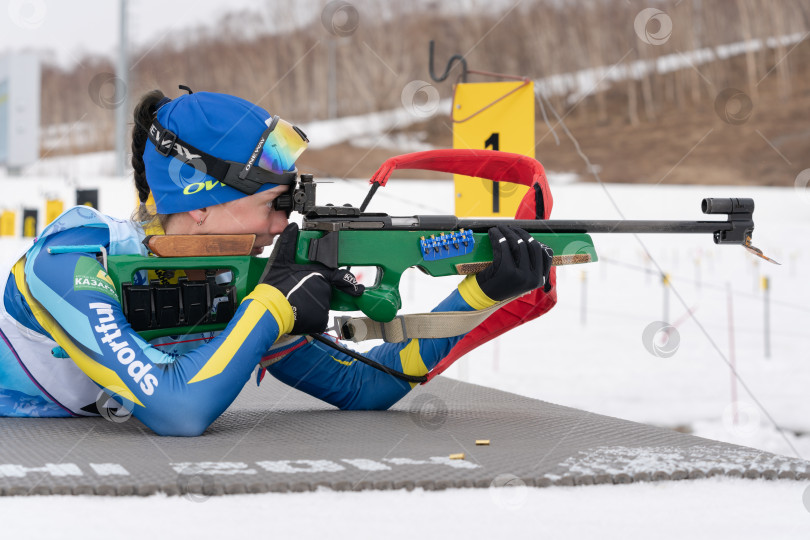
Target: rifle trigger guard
{"x": 324, "y": 250}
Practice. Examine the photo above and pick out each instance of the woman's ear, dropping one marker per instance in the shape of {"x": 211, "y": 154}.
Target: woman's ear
{"x": 199, "y": 216}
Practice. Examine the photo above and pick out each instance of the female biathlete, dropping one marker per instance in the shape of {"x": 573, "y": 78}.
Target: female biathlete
{"x": 214, "y": 163}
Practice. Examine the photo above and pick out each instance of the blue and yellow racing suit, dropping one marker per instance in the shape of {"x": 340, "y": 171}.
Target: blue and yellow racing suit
{"x": 64, "y": 337}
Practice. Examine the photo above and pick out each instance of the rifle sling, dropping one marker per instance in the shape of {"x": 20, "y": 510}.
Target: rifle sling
{"x": 414, "y": 326}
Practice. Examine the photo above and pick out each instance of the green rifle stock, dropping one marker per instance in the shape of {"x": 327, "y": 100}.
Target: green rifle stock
{"x": 160, "y": 309}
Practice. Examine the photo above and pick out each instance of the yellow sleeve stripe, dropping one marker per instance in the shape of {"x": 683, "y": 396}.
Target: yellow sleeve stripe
{"x": 100, "y": 374}
{"x": 277, "y": 304}
{"x": 225, "y": 352}
{"x": 411, "y": 359}
{"x": 472, "y": 294}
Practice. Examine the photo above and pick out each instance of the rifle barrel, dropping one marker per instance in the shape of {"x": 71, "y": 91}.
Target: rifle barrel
{"x": 737, "y": 230}
{"x": 600, "y": 226}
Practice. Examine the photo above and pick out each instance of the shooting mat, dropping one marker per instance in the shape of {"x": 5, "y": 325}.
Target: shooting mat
{"x": 274, "y": 438}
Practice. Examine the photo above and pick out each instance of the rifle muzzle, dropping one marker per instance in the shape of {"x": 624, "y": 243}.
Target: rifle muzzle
{"x": 727, "y": 206}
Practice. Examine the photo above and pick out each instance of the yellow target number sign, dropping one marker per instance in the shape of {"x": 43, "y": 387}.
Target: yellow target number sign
{"x": 485, "y": 119}
{"x": 53, "y": 209}
{"x": 7, "y": 218}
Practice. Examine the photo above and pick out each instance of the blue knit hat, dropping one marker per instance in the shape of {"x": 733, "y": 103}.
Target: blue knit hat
{"x": 223, "y": 126}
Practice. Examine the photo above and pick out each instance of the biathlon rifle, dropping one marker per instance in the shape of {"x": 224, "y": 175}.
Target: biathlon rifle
{"x": 347, "y": 236}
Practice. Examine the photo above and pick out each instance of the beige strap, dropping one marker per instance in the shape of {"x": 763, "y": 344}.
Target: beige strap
{"x": 432, "y": 325}
{"x": 414, "y": 326}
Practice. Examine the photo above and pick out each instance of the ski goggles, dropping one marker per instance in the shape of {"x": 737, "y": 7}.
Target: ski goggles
{"x": 281, "y": 144}
{"x": 272, "y": 160}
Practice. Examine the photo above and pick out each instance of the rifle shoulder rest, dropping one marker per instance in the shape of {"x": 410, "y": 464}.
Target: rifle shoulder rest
{"x": 200, "y": 245}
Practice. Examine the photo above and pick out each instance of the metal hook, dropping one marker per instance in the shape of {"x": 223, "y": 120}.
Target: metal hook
{"x": 454, "y": 58}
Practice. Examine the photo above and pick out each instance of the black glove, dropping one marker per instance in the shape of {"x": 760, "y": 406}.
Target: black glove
{"x": 307, "y": 287}
{"x": 519, "y": 264}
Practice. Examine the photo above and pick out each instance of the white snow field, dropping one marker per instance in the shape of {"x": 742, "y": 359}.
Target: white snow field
{"x": 600, "y": 364}
{"x": 700, "y": 509}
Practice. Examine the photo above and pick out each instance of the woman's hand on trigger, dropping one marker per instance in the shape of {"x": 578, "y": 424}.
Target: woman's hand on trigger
{"x": 519, "y": 264}
{"x": 307, "y": 287}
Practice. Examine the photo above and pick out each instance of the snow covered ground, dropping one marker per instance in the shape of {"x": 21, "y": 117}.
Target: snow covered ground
{"x": 700, "y": 509}
{"x": 587, "y": 353}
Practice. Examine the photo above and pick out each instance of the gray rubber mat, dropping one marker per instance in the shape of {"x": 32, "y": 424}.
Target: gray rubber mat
{"x": 277, "y": 439}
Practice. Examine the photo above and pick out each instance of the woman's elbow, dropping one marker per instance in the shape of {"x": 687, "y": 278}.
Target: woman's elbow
{"x": 178, "y": 421}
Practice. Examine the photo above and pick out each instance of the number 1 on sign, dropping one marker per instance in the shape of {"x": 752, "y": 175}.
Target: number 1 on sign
{"x": 494, "y": 142}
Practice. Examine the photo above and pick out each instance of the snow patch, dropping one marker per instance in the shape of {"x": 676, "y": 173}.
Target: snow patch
{"x": 615, "y": 460}
{"x": 325, "y": 133}
{"x": 582, "y": 83}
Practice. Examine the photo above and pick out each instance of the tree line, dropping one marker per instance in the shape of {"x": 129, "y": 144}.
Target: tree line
{"x": 368, "y": 60}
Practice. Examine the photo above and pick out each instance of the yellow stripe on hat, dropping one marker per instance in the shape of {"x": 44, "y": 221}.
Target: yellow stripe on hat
{"x": 100, "y": 374}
